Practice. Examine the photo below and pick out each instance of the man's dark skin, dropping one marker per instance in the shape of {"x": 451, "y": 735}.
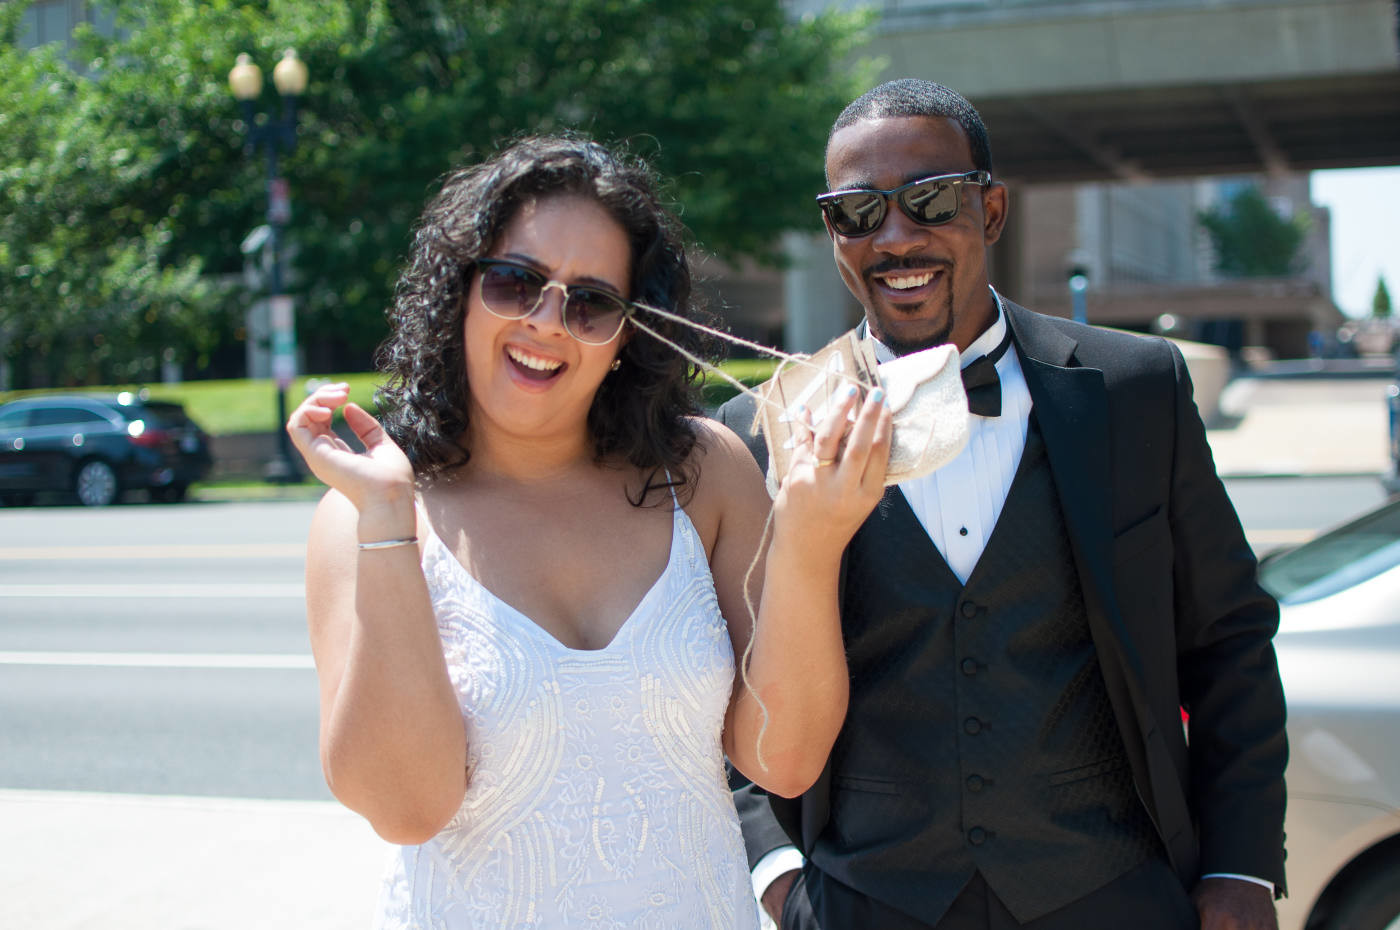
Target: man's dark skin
{"x": 888, "y": 272}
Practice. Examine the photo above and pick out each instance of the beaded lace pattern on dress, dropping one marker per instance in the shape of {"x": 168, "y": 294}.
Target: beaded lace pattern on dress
{"x": 596, "y": 793}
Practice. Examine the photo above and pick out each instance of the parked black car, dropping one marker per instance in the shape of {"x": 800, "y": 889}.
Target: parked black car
{"x": 98, "y": 446}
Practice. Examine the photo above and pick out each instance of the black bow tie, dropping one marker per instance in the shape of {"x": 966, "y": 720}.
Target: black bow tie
{"x": 981, "y": 382}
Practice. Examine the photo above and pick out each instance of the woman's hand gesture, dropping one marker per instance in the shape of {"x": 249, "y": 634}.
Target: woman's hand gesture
{"x": 381, "y": 471}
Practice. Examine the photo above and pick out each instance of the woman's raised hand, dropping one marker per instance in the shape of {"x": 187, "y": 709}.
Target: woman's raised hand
{"x": 837, "y": 474}
{"x": 381, "y": 470}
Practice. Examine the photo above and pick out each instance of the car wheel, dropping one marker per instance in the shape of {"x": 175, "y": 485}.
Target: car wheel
{"x": 1372, "y": 902}
{"x": 96, "y": 484}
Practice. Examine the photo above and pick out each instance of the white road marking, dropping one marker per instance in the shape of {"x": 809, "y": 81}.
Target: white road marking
{"x": 200, "y": 590}
{"x": 167, "y": 551}
{"x": 161, "y": 659}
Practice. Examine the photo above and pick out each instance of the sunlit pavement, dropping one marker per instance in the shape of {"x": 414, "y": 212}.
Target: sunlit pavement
{"x": 74, "y": 861}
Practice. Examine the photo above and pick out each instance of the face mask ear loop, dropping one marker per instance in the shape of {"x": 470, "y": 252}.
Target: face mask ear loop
{"x": 735, "y": 382}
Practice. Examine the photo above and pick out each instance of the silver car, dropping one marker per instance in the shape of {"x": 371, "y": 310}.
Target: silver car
{"x": 1339, "y": 656}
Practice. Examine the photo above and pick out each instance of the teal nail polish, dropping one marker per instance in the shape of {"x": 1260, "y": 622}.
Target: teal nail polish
{"x": 850, "y": 391}
{"x": 878, "y": 395}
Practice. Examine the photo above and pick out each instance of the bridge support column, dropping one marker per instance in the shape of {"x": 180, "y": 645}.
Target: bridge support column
{"x": 816, "y": 305}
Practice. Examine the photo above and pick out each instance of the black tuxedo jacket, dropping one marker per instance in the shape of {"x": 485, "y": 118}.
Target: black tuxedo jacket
{"x": 1169, "y": 582}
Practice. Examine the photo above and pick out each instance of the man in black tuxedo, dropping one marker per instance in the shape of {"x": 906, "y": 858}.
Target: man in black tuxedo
{"x": 1024, "y": 626}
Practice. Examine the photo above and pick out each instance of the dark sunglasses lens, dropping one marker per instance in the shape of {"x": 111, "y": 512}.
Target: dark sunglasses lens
{"x": 857, "y": 214}
{"x": 932, "y": 204}
{"x": 510, "y": 291}
{"x": 593, "y": 316}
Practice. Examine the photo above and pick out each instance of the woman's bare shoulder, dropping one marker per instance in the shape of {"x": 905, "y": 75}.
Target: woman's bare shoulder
{"x": 725, "y": 474}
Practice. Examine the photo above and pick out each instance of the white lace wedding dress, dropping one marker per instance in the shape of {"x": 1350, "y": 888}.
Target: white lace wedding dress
{"x": 596, "y": 795}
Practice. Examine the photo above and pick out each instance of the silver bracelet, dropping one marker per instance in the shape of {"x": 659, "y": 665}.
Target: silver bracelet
{"x": 390, "y": 543}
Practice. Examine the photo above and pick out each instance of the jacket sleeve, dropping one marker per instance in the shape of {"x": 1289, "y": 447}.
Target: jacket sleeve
{"x": 762, "y": 832}
{"x": 1226, "y": 668}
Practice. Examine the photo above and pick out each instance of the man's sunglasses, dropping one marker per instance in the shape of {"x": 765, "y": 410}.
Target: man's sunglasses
{"x": 927, "y": 201}
{"x": 513, "y": 291}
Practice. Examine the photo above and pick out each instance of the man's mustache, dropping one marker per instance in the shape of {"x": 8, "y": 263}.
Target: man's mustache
{"x": 909, "y": 263}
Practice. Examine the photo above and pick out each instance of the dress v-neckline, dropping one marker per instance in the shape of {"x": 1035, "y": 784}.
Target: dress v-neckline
{"x": 534, "y": 627}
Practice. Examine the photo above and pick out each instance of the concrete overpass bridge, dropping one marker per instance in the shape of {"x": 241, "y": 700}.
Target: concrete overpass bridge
{"x": 1132, "y": 90}
{"x": 1076, "y": 90}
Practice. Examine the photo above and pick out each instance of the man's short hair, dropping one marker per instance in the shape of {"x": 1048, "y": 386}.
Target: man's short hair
{"x": 915, "y": 97}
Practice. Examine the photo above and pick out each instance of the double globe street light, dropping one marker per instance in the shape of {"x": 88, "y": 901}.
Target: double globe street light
{"x": 272, "y": 136}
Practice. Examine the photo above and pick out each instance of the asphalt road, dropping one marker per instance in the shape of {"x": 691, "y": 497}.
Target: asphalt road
{"x": 157, "y": 650}
{"x": 162, "y": 650}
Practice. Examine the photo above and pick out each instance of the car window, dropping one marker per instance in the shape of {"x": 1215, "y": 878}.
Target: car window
{"x": 13, "y": 419}
{"x": 55, "y": 416}
{"x": 163, "y": 414}
{"x": 1337, "y": 560}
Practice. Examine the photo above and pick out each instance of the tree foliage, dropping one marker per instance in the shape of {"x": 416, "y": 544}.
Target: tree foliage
{"x": 125, "y": 189}
{"x": 1252, "y": 240}
{"x": 1380, "y": 302}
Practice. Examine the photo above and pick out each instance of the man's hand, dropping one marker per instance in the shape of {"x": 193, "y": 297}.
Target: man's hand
{"x": 775, "y": 895}
{"x": 1232, "y": 904}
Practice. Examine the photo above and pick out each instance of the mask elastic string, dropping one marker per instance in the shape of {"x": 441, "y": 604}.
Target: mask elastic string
{"x": 767, "y": 350}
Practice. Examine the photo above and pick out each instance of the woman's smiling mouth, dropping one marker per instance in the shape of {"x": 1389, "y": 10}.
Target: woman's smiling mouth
{"x": 532, "y": 366}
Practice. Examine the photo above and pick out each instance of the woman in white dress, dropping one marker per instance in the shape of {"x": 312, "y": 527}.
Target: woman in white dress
{"x": 527, "y": 593}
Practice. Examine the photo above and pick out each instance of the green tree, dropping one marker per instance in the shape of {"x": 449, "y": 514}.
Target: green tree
{"x": 1252, "y": 240}
{"x": 1380, "y": 303}
{"x": 134, "y": 176}
{"x": 88, "y": 280}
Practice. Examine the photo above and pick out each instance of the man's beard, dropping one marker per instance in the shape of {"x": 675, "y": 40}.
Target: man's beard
{"x": 937, "y": 338}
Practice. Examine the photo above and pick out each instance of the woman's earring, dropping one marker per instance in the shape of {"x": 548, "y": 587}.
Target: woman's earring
{"x": 617, "y": 363}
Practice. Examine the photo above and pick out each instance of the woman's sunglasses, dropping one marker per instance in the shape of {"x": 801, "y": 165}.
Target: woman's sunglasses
{"x": 513, "y": 291}
{"x": 927, "y": 201}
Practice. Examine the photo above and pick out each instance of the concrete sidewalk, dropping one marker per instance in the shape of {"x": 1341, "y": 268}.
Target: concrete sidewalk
{"x": 1302, "y": 427}
{"x": 75, "y": 861}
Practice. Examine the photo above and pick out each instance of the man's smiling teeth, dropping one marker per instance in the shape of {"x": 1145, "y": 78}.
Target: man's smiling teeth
{"x": 905, "y": 282}
{"x": 520, "y": 357}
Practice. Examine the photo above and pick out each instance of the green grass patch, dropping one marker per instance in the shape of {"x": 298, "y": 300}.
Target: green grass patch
{"x": 244, "y": 405}
{"x": 224, "y": 408}
{"x": 751, "y": 372}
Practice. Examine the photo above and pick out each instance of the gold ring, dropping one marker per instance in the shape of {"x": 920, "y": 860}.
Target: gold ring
{"x": 823, "y": 463}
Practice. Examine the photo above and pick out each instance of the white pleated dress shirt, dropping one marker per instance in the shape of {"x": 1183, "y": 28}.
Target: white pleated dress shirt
{"x": 959, "y": 504}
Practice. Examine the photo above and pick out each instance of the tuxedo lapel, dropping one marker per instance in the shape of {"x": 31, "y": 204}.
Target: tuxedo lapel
{"x": 1071, "y": 405}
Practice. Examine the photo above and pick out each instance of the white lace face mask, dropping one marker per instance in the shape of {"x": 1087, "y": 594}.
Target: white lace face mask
{"x": 924, "y": 390}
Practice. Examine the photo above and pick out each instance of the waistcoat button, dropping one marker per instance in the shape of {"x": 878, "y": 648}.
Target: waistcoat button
{"x": 975, "y": 783}
{"x": 977, "y": 836}
{"x": 969, "y": 609}
{"x": 969, "y": 666}
{"x": 972, "y": 726}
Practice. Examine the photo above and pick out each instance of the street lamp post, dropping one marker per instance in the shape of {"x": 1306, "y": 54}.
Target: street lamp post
{"x": 1078, "y": 276}
{"x": 246, "y": 82}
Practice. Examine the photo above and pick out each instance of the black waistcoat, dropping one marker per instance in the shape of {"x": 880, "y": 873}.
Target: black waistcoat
{"x": 980, "y": 735}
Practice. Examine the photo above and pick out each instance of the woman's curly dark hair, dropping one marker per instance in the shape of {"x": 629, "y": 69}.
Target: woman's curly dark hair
{"x": 640, "y": 411}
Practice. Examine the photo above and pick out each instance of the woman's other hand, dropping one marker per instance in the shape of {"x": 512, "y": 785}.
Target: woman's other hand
{"x": 381, "y": 470}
